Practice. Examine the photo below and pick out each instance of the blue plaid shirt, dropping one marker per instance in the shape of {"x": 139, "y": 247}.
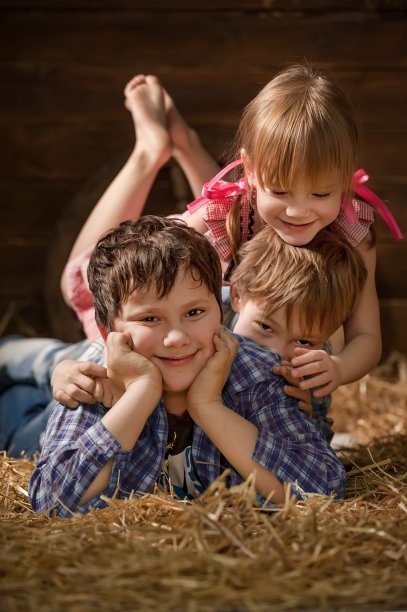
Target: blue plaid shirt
{"x": 77, "y": 445}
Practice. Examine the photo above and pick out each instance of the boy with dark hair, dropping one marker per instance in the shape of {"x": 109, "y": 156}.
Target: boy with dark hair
{"x": 191, "y": 400}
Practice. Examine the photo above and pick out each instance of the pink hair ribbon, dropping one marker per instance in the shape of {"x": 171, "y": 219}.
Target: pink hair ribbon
{"x": 216, "y": 188}
{"x": 359, "y": 178}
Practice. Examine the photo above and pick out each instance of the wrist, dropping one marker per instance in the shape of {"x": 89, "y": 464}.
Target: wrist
{"x": 144, "y": 386}
{"x": 200, "y": 411}
{"x": 339, "y": 375}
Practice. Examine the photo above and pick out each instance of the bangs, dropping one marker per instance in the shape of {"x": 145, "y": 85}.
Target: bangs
{"x": 286, "y": 151}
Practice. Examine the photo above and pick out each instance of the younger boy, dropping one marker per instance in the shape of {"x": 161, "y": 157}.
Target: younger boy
{"x": 295, "y": 304}
{"x": 156, "y": 285}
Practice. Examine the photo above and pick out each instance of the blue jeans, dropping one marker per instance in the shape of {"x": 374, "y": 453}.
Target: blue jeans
{"x": 26, "y": 366}
{"x": 24, "y": 412}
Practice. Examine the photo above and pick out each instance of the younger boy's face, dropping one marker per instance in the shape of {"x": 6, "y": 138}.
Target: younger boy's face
{"x": 272, "y": 332}
{"x": 175, "y": 332}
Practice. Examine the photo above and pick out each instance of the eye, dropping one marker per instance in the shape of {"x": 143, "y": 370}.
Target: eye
{"x": 195, "y": 312}
{"x": 149, "y": 319}
{"x": 303, "y": 342}
{"x": 321, "y": 195}
{"x": 264, "y": 326}
{"x": 278, "y": 193}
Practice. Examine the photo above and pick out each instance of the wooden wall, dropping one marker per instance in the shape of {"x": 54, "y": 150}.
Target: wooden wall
{"x": 64, "y": 129}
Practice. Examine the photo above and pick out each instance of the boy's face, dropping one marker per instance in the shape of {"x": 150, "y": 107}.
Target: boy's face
{"x": 272, "y": 332}
{"x": 175, "y": 332}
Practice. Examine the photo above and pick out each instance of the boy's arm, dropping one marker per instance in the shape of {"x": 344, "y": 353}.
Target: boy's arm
{"x": 272, "y": 439}
{"x": 81, "y": 446}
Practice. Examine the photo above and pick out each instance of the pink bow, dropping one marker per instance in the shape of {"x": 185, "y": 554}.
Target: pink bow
{"x": 359, "y": 178}
{"x": 216, "y": 188}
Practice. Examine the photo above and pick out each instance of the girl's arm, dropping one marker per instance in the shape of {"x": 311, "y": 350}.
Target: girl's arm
{"x": 362, "y": 336}
{"x": 363, "y": 341}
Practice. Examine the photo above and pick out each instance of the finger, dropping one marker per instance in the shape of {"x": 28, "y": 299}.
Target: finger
{"x": 305, "y": 407}
{"x": 119, "y": 341}
{"x": 282, "y": 370}
{"x": 65, "y": 399}
{"x": 308, "y": 357}
{"x": 77, "y": 394}
{"x": 93, "y": 370}
{"x": 325, "y": 390}
{"x": 297, "y": 393}
{"x": 229, "y": 338}
{"x": 227, "y": 342}
{"x": 315, "y": 381}
{"x": 98, "y": 391}
{"x": 316, "y": 367}
{"x": 84, "y": 383}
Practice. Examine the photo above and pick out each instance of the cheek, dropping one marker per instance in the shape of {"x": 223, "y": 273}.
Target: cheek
{"x": 144, "y": 341}
{"x": 267, "y": 209}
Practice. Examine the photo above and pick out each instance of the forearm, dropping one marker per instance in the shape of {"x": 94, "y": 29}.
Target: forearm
{"x": 359, "y": 356}
{"x": 196, "y": 163}
{"x": 235, "y": 437}
{"x": 69, "y": 464}
{"x": 126, "y": 419}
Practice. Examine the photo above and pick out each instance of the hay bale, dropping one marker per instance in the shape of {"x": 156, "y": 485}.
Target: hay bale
{"x": 220, "y": 552}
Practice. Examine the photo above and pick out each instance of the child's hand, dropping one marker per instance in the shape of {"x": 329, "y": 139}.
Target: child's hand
{"x": 125, "y": 366}
{"x": 207, "y": 386}
{"x": 303, "y": 396}
{"x": 76, "y": 382}
{"x": 319, "y": 370}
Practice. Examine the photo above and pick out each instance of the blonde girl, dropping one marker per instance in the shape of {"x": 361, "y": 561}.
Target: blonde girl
{"x": 298, "y": 149}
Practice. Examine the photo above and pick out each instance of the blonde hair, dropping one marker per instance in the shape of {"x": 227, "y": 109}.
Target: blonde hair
{"x": 321, "y": 281}
{"x": 299, "y": 123}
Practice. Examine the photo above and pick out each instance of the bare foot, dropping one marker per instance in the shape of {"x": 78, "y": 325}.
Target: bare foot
{"x": 144, "y": 98}
{"x": 179, "y": 131}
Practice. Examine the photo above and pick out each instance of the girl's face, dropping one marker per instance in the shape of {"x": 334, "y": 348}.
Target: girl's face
{"x": 299, "y": 214}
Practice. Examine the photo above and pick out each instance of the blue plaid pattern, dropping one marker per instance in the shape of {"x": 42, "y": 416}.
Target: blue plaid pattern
{"x": 77, "y": 445}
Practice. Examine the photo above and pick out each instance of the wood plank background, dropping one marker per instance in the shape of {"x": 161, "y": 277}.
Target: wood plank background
{"x": 65, "y": 132}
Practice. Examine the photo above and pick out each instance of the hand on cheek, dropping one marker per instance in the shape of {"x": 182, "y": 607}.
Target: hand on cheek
{"x": 207, "y": 386}
{"x": 125, "y": 366}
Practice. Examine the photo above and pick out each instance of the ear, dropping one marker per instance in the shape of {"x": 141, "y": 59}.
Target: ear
{"x": 235, "y": 299}
{"x": 248, "y": 168}
{"x": 103, "y": 332}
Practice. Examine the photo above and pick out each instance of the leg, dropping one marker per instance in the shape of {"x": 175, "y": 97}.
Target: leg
{"x": 24, "y": 412}
{"x": 32, "y": 360}
{"x": 126, "y": 195}
{"x": 196, "y": 163}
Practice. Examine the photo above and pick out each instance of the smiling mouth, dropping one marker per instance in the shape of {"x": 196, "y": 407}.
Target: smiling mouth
{"x": 178, "y": 360}
{"x": 298, "y": 226}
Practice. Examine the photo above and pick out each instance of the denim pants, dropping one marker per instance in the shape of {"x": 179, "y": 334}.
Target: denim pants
{"x": 26, "y": 366}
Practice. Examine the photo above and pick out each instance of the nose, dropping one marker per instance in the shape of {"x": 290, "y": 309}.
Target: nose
{"x": 296, "y": 209}
{"x": 176, "y": 336}
{"x": 283, "y": 348}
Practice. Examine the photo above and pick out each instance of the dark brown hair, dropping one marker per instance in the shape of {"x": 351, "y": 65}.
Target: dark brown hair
{"x": 148, "y": 254}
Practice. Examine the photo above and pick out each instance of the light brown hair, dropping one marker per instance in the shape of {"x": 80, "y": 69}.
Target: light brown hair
{"x": 299, "y": 123}
{"x": 321, "y": 281}
{"x": 148, "y": 254}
